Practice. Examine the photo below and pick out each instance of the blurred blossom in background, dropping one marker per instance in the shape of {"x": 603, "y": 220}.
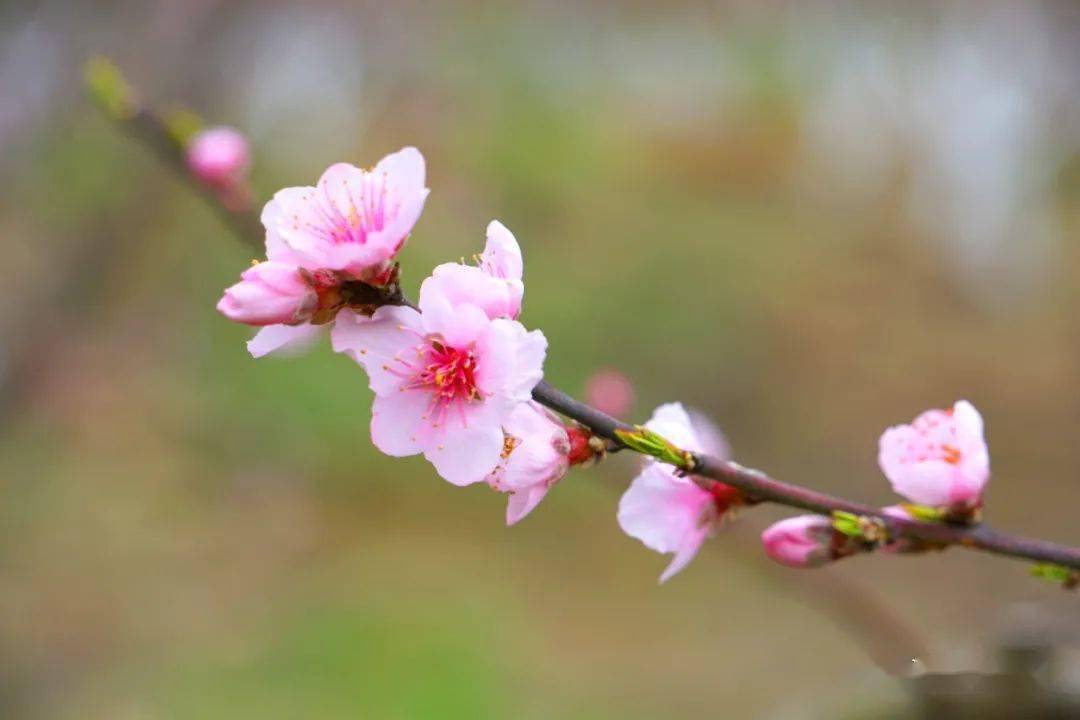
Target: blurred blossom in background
{"x": 809, "y": 222}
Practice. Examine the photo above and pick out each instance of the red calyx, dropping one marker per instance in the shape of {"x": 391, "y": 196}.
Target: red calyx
{"x": 580, "y": 451}
{"x": 725, "y": 496}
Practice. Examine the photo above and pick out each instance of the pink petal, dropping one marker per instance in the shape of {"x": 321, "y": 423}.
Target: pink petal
{"x": 661, "y": 509}
{"x": 673, "y": 423}
{"x": 513, "y": 360}
{"x": 465, "y": 284}
{"x": 523, "y": 502}
{"x": 283, "y": 338}
{"x": 460, "y": 326}
{"x": 466, "y": 451}
{"x": 405, "y": 171}
{"x": 688, "y": 550}
{"x": 926, "y": 483}
{"x": 292, "y": 224}
{"x": 384, "y": 343}
{"x": 502, "y": 255}
{"x": 399, "y": 424}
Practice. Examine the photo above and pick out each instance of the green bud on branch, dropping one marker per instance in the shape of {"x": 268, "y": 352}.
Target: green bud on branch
{"x": 647, "y": 442}
{"x": 107, "y": 85}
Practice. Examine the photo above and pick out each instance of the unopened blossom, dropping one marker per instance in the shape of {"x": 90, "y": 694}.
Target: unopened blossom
{"x": 801, "y": 541}
{"x": 666, "y": 511}
{"x": 446, "y": 380}
{"x": 219, "y": 156}
{"x": 337, "y": 240}
{"x": 940, "y": 459}
{"x": 269, "y": 293}
{"x": 493, "y": 284}
{"x": 535, "y": 454}
{"x": 609, "y": 391}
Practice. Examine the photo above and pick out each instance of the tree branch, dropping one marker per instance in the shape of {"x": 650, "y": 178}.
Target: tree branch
{"x": 153, "y": 131}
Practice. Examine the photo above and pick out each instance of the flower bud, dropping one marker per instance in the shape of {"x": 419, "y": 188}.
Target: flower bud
{"x": 219, "y": 157}
{"x": 268, "y": 294}
{"x": 802, "y": 541}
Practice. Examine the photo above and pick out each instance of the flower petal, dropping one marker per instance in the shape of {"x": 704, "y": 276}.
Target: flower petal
{"x": 688, "y": 550}
{"x": 465, "y": 450}
{"x": 383, "y": 344}
{"x": 283, "y": 338}
{"x": 522, "y": 502}
{"x": 398, "y": 423}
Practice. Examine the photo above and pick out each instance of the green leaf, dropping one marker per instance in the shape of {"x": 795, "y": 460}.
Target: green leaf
{"x": 647, "y": 442}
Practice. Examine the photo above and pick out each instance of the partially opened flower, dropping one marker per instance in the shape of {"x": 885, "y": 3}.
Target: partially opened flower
{"x": 940, "y": 459}
{"x": 494, "y": 284}
{"x": 446, "y": 380}
{"x": 535, "y": 456}
{"x": 668, "y": 512}
{"x": 330, "y": 244}
{"x": 801, "y": 541}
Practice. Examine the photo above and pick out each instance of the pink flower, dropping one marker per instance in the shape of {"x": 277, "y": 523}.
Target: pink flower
{"x": 334, "y": 237}
{"x": 609, "y": 391}
{"x": 534, "y": 458}
{"x": 353, "y": 220}
{"x": 940, "y": 459}
{"x": 667, "y": 512}
{"x": 494, "y": 285}
{"x": 446, "y": 380}
{"x": 270, "y": 293}
{"x": 801, "y": 542}
{"x": 219, "y": 156}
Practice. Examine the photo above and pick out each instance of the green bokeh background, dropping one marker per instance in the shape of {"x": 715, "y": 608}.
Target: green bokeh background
{"x": 189, "y": 533}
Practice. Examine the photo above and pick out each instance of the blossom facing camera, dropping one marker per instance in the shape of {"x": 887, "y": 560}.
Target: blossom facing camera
{"x": 446, "y": 380}
{"x": 219, "y": 157}
{"x": 269, "y": 293}
{"x": 668, "y": 512}
{"x": 535, "y": 456}
{"x": 803, "y": 541}
{"x": 494, "y": 284}
{"x": 940, "y": 459}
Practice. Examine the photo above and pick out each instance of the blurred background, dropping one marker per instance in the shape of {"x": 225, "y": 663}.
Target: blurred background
{"x": 810, "y": 222}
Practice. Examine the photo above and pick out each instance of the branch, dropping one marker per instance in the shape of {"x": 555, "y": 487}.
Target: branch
{"x": 154, "y": 131}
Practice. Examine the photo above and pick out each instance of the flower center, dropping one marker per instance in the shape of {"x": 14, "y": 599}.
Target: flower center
{"x": 448, "y": 373}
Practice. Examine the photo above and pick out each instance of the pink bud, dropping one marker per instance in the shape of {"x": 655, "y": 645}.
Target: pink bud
{"x": 801, "y": 541}
{"x": 268, "y": 294}
{"x": 610, "y": 391}
{"x": 219, "y": 156}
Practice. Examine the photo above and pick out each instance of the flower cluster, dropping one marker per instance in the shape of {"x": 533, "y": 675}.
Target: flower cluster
{"x": 453, "y": 376}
